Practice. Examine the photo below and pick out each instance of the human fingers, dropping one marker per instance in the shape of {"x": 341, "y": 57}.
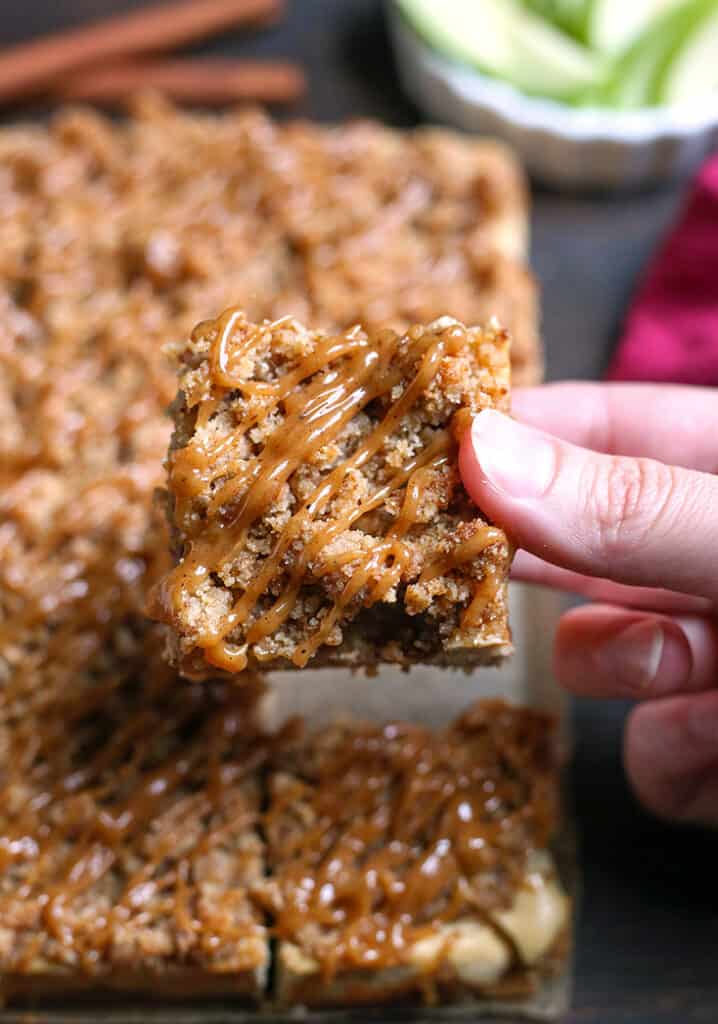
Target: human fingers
{"x": 635, "y": 521}
{"x": 530, "y": 569}
{"x": 671, "y": 756}
{"x": 675, "y": 424}
{"x": 605, "y": 651}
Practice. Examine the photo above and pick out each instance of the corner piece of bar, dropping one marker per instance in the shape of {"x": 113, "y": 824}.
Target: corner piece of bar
{"x": 129, "y": 845}
{"x": 316, "y": 502}
{"x": 409, "y": 863}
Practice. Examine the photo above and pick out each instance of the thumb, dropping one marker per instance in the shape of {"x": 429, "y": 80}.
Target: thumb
{"x": 631, "y": 520}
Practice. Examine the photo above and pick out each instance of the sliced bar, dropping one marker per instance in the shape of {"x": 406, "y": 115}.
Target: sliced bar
{"x": 129, "y": 844}
{"x": 406, "y": 863}
{"x": 316, "y": 502}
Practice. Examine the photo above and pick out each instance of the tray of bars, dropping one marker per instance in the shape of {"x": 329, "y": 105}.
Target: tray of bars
{"x": 181, "y": 836}
{"x": 293, "y": 844}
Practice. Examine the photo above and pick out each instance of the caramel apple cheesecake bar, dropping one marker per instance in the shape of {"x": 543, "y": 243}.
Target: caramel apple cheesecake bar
{"x": 157, "y": 841}
{"x": 406, "y": 863}
{"x": 316, "y": 503}
{"x": 117, "y": 238}
{"x": 129, "y": 845}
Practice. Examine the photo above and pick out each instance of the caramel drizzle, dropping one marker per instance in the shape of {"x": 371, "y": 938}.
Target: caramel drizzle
{"x": 70, "y": 581}
{"x": 382, "y": 834}
{"x": 344, "y": 375}
{"x": 467, "y": 551}
{"x": 379, "y": 836}
{"x": 130, "y": 791}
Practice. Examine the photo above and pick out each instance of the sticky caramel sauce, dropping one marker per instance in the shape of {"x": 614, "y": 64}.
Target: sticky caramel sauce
{"x": 317, "y": 398}
{"x": 379, "y": 835}
{"x": 79, "y": 542}
{"x": 112, "y": 800}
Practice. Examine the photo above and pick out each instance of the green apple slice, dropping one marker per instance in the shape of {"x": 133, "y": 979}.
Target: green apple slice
{"x": 569, "y": 15}
{"x": 503, "y": 38}
{"x": 638, "y": 75}
{"x": 693, "y": 72}
{"x": 612, "y": 25}
{"x": 633, "y": 82}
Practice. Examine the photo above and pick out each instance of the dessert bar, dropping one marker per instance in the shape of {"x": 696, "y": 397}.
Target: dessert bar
{"x": 154, "y": 837}
{"x": 407, "y": 862}
{"x": 316, "y": 503}
{"x": 129, "y": 844}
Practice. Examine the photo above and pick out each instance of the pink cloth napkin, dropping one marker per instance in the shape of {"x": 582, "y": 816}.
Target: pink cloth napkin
{"x": 671, "y": 333}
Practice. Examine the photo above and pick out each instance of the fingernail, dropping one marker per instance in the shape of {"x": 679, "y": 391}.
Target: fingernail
{"x": 515, "y": 459}
{"x": 633, "y": 657}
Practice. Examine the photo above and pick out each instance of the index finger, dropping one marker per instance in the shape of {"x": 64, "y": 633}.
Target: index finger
{"x": 675, "y": 424}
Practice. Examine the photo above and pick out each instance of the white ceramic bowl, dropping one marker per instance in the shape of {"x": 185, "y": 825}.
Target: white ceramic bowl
{"x": 561, "y": 146}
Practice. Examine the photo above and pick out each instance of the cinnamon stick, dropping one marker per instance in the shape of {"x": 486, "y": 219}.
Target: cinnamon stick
{"x": 210, "y": 82}
{"x": 29, "y": 67}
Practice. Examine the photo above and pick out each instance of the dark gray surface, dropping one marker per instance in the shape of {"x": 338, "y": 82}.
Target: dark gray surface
{"x": 648, "y": 936}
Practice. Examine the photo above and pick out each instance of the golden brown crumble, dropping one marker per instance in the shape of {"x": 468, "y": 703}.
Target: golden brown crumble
{"x": 158, "y": 835}
{"x": 386, "y": 843}
{"x": 119, "y": 238}
{"x": 128, "y": 838}
{"x": 316, "y": 501}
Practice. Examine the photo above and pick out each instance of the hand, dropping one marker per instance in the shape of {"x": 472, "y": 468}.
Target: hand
{"x": 617, "y": 500}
